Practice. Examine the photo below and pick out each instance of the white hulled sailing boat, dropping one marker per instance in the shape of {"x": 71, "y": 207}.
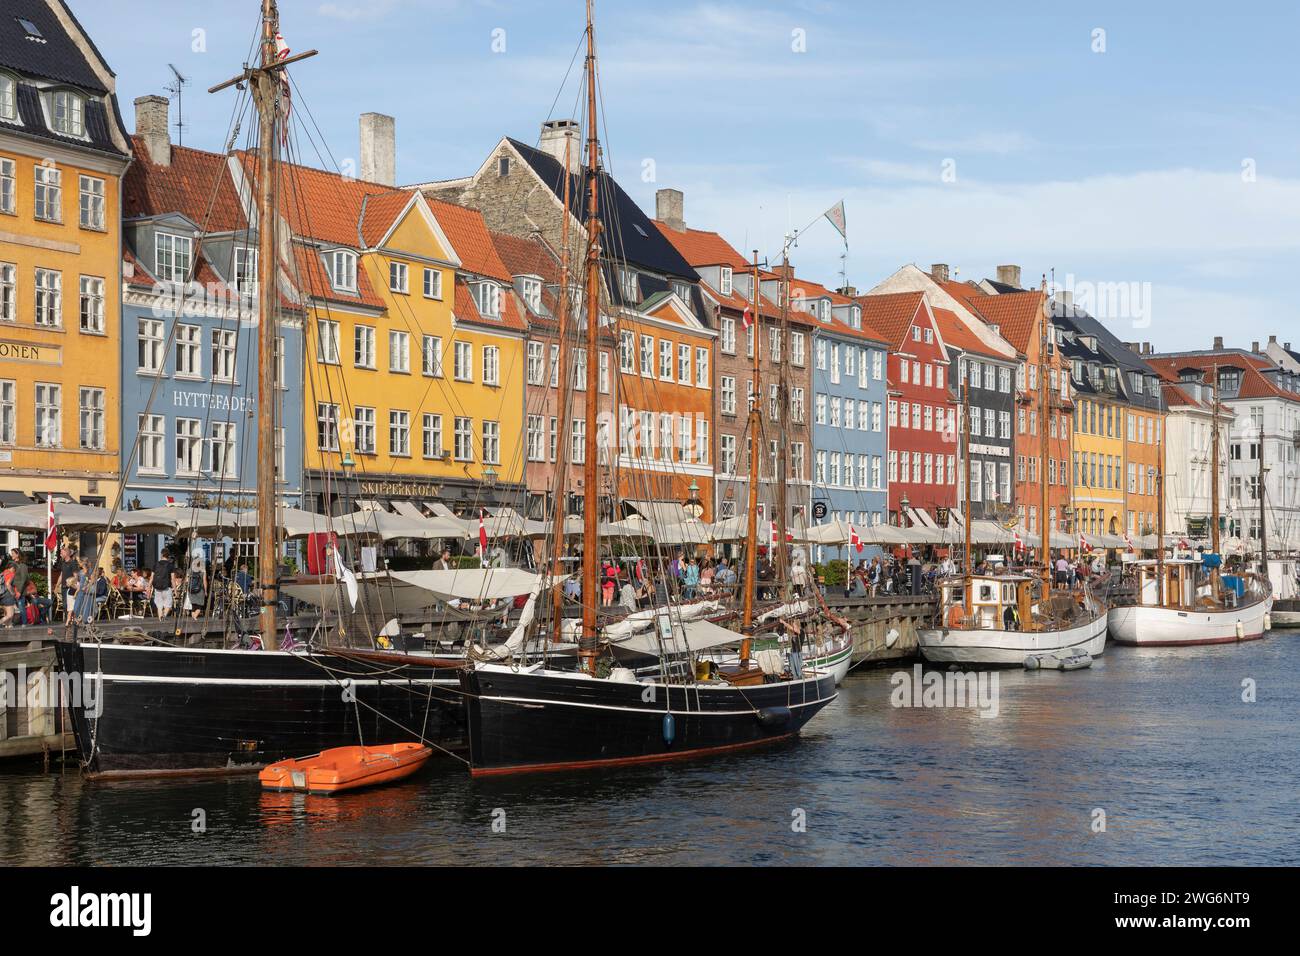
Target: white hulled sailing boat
{"x": 1191, "y": 601}
{"x": 1003, "y": 618}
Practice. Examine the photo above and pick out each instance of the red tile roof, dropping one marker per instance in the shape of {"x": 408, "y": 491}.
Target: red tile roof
{"x": 531, "y": 257}
{"x": 197, "y": 185}
{"x": 1254, "y": 384}
{"x": 469, "y": 236}
{"x": 956, "y": 333}
{"x": 702, "y": 248}
{"x": 890, "y": 315}
{"x": 307, "y": 273}
{"x": 1015, "y": 314}
{"x": 466, "y": 310}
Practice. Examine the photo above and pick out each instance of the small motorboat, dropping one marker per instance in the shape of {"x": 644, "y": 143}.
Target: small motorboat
{"x": 1075, "y": 660}
{"x": 346, "y": 768}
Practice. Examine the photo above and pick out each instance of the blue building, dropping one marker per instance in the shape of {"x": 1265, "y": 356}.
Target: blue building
{"x": 189, "y": 340}
{"x": 849, "y": 432}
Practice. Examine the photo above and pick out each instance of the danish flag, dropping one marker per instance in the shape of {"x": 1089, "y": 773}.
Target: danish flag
{"x": 746, "y": 319}
{"x": 482, "y": 538}
{"x": 1083, "y": 543}
{"x": 854, "y": 541}
{"x": 1129, "y": 542}
{"x": 774, "y": 536}
{"x": 1020, "y": 543}
{"x": 51, "y": 528}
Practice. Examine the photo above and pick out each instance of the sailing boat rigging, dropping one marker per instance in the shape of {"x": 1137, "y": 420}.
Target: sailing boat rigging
{"x": 163, "y": 709}
{"x": 1003, "y": 618}
{"x": 539, "y": 717}
{"x": 1185, "y": 601}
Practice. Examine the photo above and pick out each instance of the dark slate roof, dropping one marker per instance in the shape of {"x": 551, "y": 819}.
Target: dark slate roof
{"x": 645, "y": 246}
{"x": 56, "y": 59}
{"x": 1113, "y": 351}
{"x": 1002, "y": 287}
{"x": 32, "y": 123}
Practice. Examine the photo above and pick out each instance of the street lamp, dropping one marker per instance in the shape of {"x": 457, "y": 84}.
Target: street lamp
{"x": 694, "y": 506}
{"x": 902, "y": 512}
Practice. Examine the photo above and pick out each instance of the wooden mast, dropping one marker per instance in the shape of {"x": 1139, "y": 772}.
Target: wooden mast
{"x": 1042, "y": 443}
{"x": 1263, "y": 511}
{"x": 782, "y": 445}
{"x": 591, "y": 486}
{"x": 1214, "y": 475}
{"x": 1160, "y": 540}
{"x": 748, "y": 581}
{"x": 266, "y": 80}
{"x": 965, "y": 428}
{"x": 562, "y": 440}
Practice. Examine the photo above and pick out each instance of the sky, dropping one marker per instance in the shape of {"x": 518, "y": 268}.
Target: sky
{"x": 1145, "y": 154}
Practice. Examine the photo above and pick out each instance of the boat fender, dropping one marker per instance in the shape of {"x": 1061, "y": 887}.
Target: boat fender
{"x": 773, "y": 716}
{"x": 670, "y": 729}
{"x": 1032, "y": 663}
{"x": 892, "y": 637}
{"x": 1268, "y": 620}
{"x": 1241, "y": 631}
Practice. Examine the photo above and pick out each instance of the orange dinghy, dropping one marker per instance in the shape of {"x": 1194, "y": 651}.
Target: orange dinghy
{"x": 346, "y": 768}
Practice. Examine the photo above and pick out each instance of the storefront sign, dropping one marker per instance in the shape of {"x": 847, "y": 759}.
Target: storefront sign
{"x": 32, "y": 354}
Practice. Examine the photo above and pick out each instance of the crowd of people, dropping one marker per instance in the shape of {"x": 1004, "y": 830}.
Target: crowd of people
{"x": 82, "y": 590}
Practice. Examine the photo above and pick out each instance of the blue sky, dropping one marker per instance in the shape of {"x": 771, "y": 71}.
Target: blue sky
{"x": 1169, "y": 162}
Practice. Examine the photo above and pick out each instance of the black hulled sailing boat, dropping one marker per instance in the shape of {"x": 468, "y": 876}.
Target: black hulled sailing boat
{"x": 536, "y": 718}
{"x": 151, "y": 710}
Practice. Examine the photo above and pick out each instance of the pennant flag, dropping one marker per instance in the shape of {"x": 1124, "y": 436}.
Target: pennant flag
{"x": 171, "y": 500}
{"x": 51, "y": 527}
{"x": 286, "y": 101}
{"x": 482, "y": 539}
{"x": 775, "y": 539}
{"x": 836, "y": 215}
{"x": 854, "y": 541}
{"x": 1083, "y": 543}
{"x": 746, "y": 318}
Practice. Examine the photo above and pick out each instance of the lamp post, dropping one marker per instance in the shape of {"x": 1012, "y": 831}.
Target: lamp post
{"x": 903, "y": 505}
{"x": 693, "y": 506}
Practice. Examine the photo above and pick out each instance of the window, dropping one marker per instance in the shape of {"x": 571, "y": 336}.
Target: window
{"x": 464, "y": 439}
{"x": 399, "y": 434}
{"x": 8, "y": 185}
{"x": 821, "y": 355}
{"x": 487, "y": 297}
{"x": 701, "y": 440}
{"x": 492, "y": 365}
{"x": 603, "y": 373}
{"x": 701, "y": 367}
{"x": 536, "y": 438}
{"x": 189, "y": 351}
{"x": 49, "y": 298}
{"x": 342, "y": 266}
{"x": 68, "y": 113}
{"x": 8, "y": 98}
{"x": 189, "y": 446}
{"x": 797, "y": 349}
{"x": 221, "y": 450}
{"x": 399, "y": 352}
{"x": 92, "y": 304}
{"x": 728, "y": 383}
{"x": 432, "y": 438}
{"x": 8, "y": 411}
{"x": 327, "y": 426}
{"x": 363, "y": 346}
{"x": 728, "y": 335}
{"x": 151, "y": 456}
{"x": 246, "y": 270}
{"x": 796, "y": 405}
{"x": 432, "y": 284}
{"x": 91, "y": 418}
{"x": 666, "y": 360}
{"x": 727, "y": 454}
{"x": 150, "y": 345}
{"x": 223, "y": 355}
{"x": 724, "y": 280}
{"x": 432, "y": 356}
{"x": 491, "y": 443}
{"x": 327, "y": 341}
{"x": 536, "y": 362}
{"x": 463, "y": 362}
{"x": 49, "y": 193}
{"x": 627, "y": 280}
{"x": 647, "y": 355}
{"x": 555, "y": 366}
{"x": 684, "y": 364}
{"x": 819, "y": 409}
{"x": 774, "y": 344}
{"x": 398, "y": 278}
{"x": 819, "y": 467}
{"x": 363, "y": 429}
{"x": 92, "y": 202}
{"x": 172, "y": 257}
{"x": 578, "y": 441}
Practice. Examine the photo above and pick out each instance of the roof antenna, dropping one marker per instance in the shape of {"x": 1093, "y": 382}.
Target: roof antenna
{"x": 176, "y": 90}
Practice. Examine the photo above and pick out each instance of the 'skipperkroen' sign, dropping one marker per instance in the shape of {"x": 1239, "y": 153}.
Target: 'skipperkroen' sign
{"x": 27, "y": 352}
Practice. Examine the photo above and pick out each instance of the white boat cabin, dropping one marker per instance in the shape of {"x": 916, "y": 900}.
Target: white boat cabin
{"x": 998, "y": 602}
{"x": 1182, "y": 584}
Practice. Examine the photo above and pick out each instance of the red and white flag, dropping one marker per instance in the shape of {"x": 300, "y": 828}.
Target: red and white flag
{"x": 482, "y": 538}
{"x": 1083, "y": 543}
{"x": 1128, "y": 542}
{"x": 171, "y": 500}
{"x": 854, "y": 541}
{"x": 51, "y": 527}
{"x": 746, "y": 318}
{"x": 1020, "y": 542}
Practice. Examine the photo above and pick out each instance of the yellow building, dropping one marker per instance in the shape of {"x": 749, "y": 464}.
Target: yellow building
{"x": 1098, "y": 463}
{"x": 63, "y": 153}
{"x": 414, "y": 374}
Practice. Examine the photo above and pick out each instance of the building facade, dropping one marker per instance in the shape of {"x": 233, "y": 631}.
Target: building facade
{"x": 63, "y": 153}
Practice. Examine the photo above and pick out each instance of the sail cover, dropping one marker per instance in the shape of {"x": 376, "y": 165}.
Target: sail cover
{"x": 473, "y": 584}
{"x": 698, "y": 636}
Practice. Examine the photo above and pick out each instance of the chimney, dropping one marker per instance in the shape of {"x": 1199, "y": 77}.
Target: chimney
{"x": 379, "y": 149}
{"x": 669, "y": 204}
{"x": 1065, "y": 297}
{"x": 1218, "y": 343}
{"x": 555, "y": 133}
{"x": 1254, "y": 347}
{"x": 1287, "y": 346}
{"x": 939, "y": 272}
{"x": 1147, "y": 349}
{"x": 1272, "y": 340}
{"x": 151, "y": 127}
{"x": 1135, "y": 347}
{"x": 1009, "y": 275}
{"x": 848, "y": 291}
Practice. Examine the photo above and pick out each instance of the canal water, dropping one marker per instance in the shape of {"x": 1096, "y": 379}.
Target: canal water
{"x": 1151, "y": 757}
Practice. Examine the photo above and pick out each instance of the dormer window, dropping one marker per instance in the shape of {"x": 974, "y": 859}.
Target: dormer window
{"x": 855, "y": 316}
{"x": 8, "y": 98}
{"x": 530, "y": 289}
{"x": 683, "y": 291}
{"x": 487, "y": 296}
{"x": 342, "y": 265}
{"x": 68, "y": 113}
{"x": 724, "y": 281}
{"x": 627, "y": 281}
{"x": 172, "y": 257}
{"x": 1136, "y": 379}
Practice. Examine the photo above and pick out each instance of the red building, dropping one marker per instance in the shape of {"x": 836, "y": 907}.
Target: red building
{"x": 922, "y": 456}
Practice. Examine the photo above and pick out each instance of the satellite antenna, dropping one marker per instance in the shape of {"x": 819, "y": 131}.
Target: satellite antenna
{"x": 177, "y": 89}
